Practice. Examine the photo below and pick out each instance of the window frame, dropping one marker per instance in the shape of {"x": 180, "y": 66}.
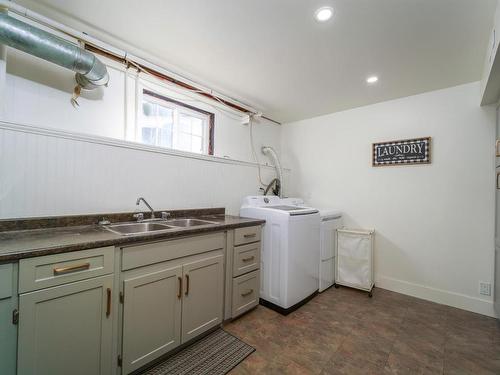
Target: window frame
{"x": 188, "y": 109}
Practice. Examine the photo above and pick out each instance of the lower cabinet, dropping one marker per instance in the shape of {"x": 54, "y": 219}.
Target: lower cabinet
{"x": 202, "y": 303}
{"x": 245, "y": 292}
{"x": 151, "y": 316}
{"x": 8, "y": 311}
{"x": 243, "y": 255}
{"x": 170, "y": 305}
{"x": 170, "y": 293}
{"x": 66, "y": 329}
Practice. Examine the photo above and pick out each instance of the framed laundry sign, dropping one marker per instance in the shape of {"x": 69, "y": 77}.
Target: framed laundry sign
{"x": 404, "y": 152}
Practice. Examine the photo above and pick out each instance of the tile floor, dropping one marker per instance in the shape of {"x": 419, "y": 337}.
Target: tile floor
{"x": 342, "y": 331}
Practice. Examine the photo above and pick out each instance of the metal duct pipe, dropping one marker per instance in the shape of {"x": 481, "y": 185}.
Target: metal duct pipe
{"x": 266, "y": 150}
{"x": 90, "y": 71}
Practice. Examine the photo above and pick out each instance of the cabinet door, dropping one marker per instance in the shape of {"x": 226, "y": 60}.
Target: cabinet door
{"x": 203, "y": 296}
{"x": 8, "y": 330}
{"x": 66, "y": 329}
{"x": 151, "y": 316}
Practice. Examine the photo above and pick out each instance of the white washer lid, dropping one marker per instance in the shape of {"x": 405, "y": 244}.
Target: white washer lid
{"x": 293, "y": 210}
{"x": 329, "y": 213}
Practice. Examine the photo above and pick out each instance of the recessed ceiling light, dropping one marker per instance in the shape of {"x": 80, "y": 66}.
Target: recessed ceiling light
{"x": 324, "y": 14}
{"x": 372, "y": 79}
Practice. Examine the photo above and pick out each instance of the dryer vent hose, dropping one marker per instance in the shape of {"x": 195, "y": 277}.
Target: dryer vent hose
{"x": 269, "y": 151}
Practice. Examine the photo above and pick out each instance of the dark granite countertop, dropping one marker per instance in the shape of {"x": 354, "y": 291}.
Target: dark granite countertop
{"x": 20, "y": 244}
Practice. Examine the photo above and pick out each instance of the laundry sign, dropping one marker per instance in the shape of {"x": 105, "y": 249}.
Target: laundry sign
{"x": 404, "y": 152}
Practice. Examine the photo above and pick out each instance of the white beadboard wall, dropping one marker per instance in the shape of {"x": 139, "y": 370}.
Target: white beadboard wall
{"x": 44, "y": 175}
{"x": 76, "y": 161}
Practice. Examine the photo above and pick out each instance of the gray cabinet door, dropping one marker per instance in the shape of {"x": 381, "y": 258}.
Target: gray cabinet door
{"x": 151, "y": 316}
{"x": 202, "y": 306}
{"x": 66, "y": 329}
{"x": 8, "y": 330}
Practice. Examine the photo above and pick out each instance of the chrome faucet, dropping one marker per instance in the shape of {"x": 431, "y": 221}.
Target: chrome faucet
{"x": 138, "y": 202}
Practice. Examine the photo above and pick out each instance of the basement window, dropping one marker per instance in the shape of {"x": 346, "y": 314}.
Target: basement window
{"x": 165, "y": 122}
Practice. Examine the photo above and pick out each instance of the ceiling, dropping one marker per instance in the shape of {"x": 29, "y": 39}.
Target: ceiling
{"x": 274, "y": 55}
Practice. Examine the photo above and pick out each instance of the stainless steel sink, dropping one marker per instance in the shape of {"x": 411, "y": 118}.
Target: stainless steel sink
{"x": 128, "y": 229}
{"x": 188, "y": 222}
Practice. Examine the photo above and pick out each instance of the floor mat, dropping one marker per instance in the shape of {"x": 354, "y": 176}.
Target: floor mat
{"x": 217, "y": 353}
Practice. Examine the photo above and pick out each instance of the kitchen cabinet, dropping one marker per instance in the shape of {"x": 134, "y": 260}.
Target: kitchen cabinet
{"x": 245, "y": 292}
{"x": 243, "y": 278}
{"x": 151, "y": 316}
{"x": 8, "y": 317}
{"x": 66, "y": 329}
{"x": 203, "y": 297}
{"x": 65, "y": 321}
{"x": 173, "y": 291}
{"x": 169, "y": 293}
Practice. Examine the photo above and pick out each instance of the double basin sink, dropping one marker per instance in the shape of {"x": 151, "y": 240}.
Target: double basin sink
{"x": 128, "y": 229}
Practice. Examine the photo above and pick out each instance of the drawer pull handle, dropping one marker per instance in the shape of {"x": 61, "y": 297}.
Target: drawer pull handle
{"x": 249, "y": 235}
{"x": 248, "y": 259}
{"x": 247, "y": 293}
{"x": 497, "y": 151}
{"x": 64, "y": 270}
{"x": 187, "y": 285}
{"x": 498, "y": 181}
{"x": 108, "y": 303}
{"x": 179, "y": 293}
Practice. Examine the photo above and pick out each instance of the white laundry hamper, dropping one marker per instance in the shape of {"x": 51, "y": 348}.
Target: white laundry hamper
{"x": 354, "y": 261}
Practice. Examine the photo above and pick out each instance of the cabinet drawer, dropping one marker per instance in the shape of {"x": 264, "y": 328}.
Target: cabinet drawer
{"x": 156, "y": 252}
{"x": 246, "y": 258}
{"x": 245, "y": 292}
{"x": 51, "y": 270}
{"x": 246, "y": 235}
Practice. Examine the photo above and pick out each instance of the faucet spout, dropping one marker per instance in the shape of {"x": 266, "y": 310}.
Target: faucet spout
{"x": 138, "y": 202}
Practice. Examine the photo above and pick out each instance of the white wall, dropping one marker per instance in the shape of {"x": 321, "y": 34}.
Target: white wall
{"x": 73, "y": 161}
{"x": 45, "y": 175}
{"x": 434, "y": 223}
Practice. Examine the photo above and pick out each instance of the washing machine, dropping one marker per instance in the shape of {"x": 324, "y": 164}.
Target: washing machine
{"x": 290, "y": 251}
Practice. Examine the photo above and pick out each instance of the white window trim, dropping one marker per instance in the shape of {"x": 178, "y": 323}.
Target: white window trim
{"x": 177, "y": 108}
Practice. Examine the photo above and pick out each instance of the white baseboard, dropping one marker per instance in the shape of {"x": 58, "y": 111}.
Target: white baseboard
{"x": 461, "y": 301}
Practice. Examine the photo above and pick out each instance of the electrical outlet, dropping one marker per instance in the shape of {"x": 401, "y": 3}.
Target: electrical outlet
{"x": 484, "y": 288}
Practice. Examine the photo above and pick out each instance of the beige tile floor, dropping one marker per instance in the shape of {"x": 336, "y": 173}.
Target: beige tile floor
{"x": 342, "y": 331}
